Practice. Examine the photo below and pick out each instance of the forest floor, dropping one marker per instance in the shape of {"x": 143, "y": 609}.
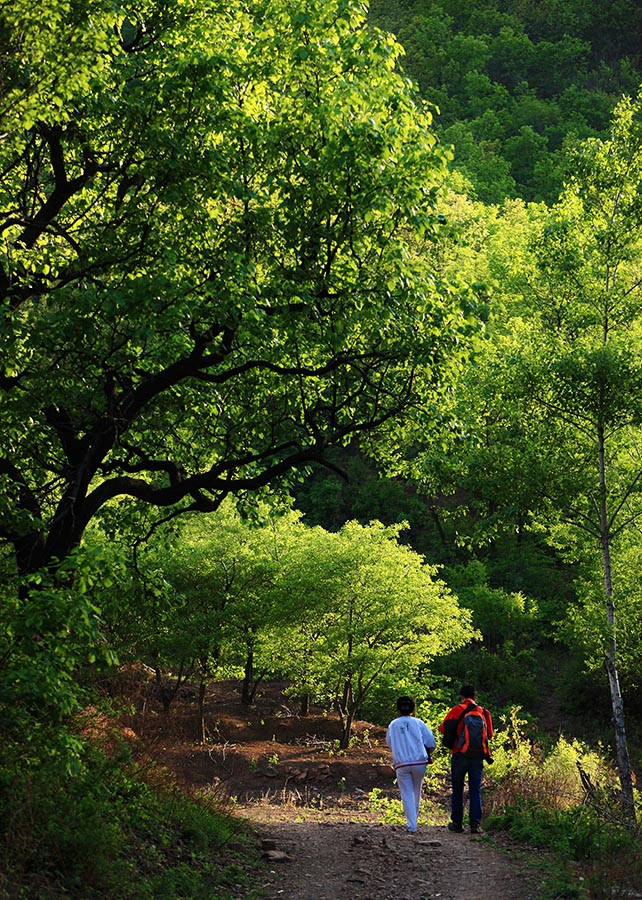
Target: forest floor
{"x": 322, "y": 832}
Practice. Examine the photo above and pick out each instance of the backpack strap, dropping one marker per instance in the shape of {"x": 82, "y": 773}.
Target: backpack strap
{"x": 467, "y": 709}
{"x": 464, "y": 712}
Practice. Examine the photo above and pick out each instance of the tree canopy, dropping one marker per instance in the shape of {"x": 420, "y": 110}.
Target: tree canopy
{"x": 516, "y": 82}
{"x": 331, "y": 613}
{"x": 206, "y": 277}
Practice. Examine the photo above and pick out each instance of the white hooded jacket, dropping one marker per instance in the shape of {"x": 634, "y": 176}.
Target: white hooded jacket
{"x": 410, "y": 741}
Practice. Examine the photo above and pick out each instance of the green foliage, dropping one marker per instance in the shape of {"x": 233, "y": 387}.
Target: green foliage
{"x": 51, "y": 634}
{"x": 185, "y": 319}
{"x": 499, "y": 615}
{"x": 390, "y": 810}
{"x": 104, "y": 833}
{"x": 576, "y": 833}
{"x": 429, "y": 691}
{"x": 548, "y": 414}
{"x": 504, "y": 662}
{"x": 377, "y": 609}
{"x": 206, "y": 589}
{"x": 584, "y": 378}
{"x": 585, "y": 629}
{"x": 514, "y": 81}
{"x": 250, "y": 255}
{"x": 362, "y": 494}
{"x": 333, "y": 613}
{"x": 546, "y": 775}
{"x": 539, "y": 797}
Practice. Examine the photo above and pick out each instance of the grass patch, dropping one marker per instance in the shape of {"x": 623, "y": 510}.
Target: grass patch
{"x": 103, "y": 832}
{"x": 390, "y": 810}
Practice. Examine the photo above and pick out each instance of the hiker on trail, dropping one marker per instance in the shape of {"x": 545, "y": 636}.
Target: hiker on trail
{"x": 411, "y": 743}
{"x": 467, "y": 728}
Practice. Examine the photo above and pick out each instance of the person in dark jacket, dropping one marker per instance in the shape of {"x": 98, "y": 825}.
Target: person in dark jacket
{"x": 462, "y": 765}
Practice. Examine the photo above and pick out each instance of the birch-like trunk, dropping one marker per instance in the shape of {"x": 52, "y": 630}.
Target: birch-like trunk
{"x": 621, "y": 748}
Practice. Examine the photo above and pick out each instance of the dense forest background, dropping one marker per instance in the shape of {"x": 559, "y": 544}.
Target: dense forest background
{"x": 517, "y": 83}
{"x": 327, "y": 371}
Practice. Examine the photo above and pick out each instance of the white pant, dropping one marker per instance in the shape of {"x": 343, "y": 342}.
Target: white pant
{"x": 410, "y": 779}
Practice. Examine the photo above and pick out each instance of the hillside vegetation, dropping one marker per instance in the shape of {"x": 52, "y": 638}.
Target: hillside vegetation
{"x": 321, "y": 368}
{"x": 516, "y": 83}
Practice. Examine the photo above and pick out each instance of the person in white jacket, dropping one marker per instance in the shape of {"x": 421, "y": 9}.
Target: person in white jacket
{"x": 411, "y": 743}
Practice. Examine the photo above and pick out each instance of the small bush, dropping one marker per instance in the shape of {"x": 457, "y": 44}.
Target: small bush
{"x": 524, "y": 772}
{"x": 391, "y": 810}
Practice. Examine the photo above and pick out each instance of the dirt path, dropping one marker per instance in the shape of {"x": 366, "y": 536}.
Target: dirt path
{"x": 311, "y": 805}
{"x": 334, "y": 860}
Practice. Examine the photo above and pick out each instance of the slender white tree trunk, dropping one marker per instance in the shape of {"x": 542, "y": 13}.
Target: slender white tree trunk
{"x": 621, "y": 748}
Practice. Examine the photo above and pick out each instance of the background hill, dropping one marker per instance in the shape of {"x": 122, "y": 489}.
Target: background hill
{"x": 515, "y": 82}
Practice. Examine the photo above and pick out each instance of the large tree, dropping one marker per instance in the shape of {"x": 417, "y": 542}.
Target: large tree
{"x": 586, "y": 375}
{"x": 204, "y": 275}
{"x": 547, "y": 417}
{"x": 208, "y": 212}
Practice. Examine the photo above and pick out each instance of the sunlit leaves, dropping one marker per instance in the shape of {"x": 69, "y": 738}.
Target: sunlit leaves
{"x": 220, "y": 206}
{"x": 372, "y": 608}
{"x": 210, "y": 268}
{"x": 320, "y": 609}
{"x": 50, "y": 630}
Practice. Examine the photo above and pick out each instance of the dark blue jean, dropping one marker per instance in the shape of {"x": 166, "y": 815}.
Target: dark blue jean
{"x": 460, "y": 767}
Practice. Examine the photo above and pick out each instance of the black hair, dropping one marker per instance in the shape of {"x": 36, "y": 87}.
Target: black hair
{"x": 467, "y": 690}
{"x": 405, "y": 705}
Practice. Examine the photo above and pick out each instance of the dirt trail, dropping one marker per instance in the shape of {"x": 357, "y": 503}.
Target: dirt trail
{"x": 310, "y": 804}
{"x": 335, "y": 860}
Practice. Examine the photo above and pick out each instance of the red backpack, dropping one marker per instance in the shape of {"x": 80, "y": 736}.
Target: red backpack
{"x": 468, "y": 733}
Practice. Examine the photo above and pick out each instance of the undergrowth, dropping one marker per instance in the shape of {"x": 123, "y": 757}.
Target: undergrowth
{"x": 103, "y": 832}
{"x": 100, "y": 830}
{"x": 565, "y": 800}
{"x": 390, "y": 810}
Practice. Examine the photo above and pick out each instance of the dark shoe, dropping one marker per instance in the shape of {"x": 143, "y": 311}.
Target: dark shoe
{"x": 453, "y": 826}
{"x": 476, "y": 829}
